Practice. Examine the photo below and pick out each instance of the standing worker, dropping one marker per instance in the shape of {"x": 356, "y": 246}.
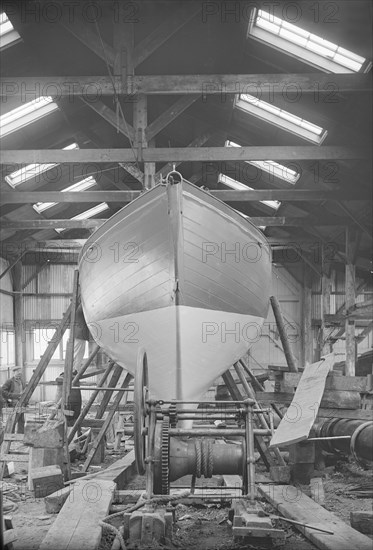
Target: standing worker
{"x": 12, "y": 391}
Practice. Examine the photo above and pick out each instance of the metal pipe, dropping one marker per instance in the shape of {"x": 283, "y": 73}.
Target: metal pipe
{"x": 360, "y": 440}
{"x": 215, "y": 432}
{"x": 93, "y": 388}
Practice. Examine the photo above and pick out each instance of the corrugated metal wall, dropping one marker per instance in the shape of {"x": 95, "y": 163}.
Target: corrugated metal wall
{"x": 267, "y": 350}
{"x": 53, "y": 279}
{"x": 6, "y": 310}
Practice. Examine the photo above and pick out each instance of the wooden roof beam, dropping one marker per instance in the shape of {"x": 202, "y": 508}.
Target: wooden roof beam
{"x": 209, "y": 84}
{"x": 109, "y": 115}
{"x": 169, "y": 115}
{"x": 184, "y": 154}
{"x": 19, "y": 197}
{"x": 89, "y": 223}
{"x": 89, "y": 38}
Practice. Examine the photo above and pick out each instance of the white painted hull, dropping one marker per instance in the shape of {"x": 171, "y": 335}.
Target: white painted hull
{"x": 182, "y": 275}
{"x": 210, "y": 341}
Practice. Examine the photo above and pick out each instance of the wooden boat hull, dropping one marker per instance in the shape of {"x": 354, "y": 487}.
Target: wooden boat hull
{"x": 182, "y": 275}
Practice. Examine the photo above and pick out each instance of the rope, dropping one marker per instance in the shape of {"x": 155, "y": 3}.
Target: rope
{"x": 116, "y": 532}
{"x": 198, "y": 469}
{"x": 153, "y": 500}
{"x": 116, "y": 98}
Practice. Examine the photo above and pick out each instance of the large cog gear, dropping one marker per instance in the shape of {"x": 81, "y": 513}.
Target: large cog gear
{"x": 165, "y": 452}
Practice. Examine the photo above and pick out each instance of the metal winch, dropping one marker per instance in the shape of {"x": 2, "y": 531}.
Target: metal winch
{"x": 166, "y": 450}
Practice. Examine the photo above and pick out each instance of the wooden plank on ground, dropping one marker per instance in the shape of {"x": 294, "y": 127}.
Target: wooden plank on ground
{"x": 293, "y": 504}
{"x": 306, "y": 402}
{"x": 120, "y": 471}
{"x": 77, "y": 524}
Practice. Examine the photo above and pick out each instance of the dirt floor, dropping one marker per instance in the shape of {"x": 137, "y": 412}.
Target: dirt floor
{"x": 205, "y": 527}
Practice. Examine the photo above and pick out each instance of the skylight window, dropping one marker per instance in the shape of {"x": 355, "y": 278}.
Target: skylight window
{"x": 33, "y": 170}
{"x": 283, "y": 119}
{"x": 27, "y": 113}
{"x": 307, "y": 47}
{"x": 79, "y": 186}
{"x": 238, "y": 186}
{"x": 7, "y": 33}
{"x": 271, "y": 167}
{"x": 87, "y": 214}
{"x": 92, "y": 212}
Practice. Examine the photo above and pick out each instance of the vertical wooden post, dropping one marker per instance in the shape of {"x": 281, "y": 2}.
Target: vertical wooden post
{"x": 307, "y": 333}
{"x": 69, "y": 359}
{"x": 19, "y": 332}
{"x": 149, "y": 170}
{"x": 326, "y": 290}
{"x": 140, "y": 122}
{"x": 350, "y": 301}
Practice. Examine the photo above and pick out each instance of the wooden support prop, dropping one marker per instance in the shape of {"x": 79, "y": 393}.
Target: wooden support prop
{"x": 261, "y": 418}
{"x": 69, "y": 358}
{"x": 295, "y": 505}
{"x": 290, "y": 359}
{"x": 106, "y": 424}
{"x": 86, "y": 408}
{"x": 85, "y": 365}
{"x": 78, "y": 523}
{"x": 237, "y": 396}
{"x": 107, "y": 395}
{"x": 33, "y": 382}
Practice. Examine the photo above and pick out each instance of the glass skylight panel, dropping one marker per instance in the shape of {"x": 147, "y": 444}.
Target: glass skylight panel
{"x": 33, "y": 170}
{"x": 8, "y": 34}
{"x": 91, "y": 212}
{"x": 25, "y": 114}
{"x": 273, "y": 168}
{"x": 238, "y": 186}
{"x": 79, "y": 186}
{"x": 41, "y": 206}
{"x": 307, "y": 47}
{"x": 281, "y": 118}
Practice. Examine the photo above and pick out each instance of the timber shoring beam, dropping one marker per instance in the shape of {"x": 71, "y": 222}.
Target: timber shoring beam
{"x": 34, "y": 381}
{"x": 107, "y": 422}
{"x": 290, "y": 359}
{"x": 86, "y": 408}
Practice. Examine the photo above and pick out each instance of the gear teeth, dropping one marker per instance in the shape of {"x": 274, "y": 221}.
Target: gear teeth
{"x": 165, "y": 449}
